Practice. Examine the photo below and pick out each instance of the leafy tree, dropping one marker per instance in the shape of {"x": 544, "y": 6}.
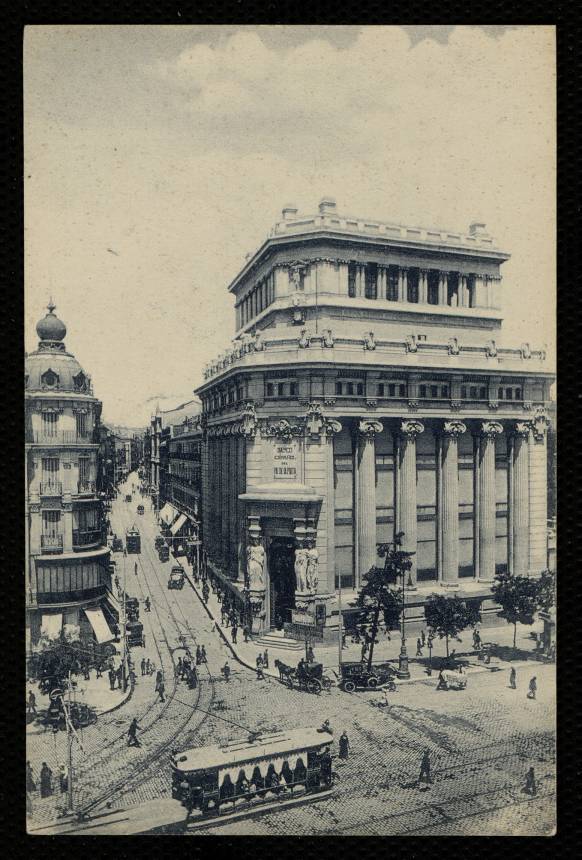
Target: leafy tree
{"x": 448, "y": 615}
{"x": 546, "y": 590}
{"x": 379, "y": 597}
{"x": 519, "y": 598}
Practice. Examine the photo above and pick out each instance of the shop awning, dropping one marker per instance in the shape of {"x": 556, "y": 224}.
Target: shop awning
{"x": 167, "y": 514}
{"x": 51, "y": 625}
{"x": 180, "y": 522}
{"x": 100, "y": 626}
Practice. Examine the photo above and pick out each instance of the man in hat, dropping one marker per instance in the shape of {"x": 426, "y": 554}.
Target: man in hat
{"x": 424, "y": 774}
{"x": 344, "y": 745}
{"x": 132, "y": 739}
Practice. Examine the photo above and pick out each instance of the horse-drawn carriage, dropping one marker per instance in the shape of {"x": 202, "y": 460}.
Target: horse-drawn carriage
{"x": 306, "y": 676}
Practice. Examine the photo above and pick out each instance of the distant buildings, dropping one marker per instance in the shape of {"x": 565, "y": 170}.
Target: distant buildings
{"x": 67, "y": 558}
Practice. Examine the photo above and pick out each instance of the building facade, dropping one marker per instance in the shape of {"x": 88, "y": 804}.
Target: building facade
{"x": 366, "y": 394}
{"x": 67, "y": 559}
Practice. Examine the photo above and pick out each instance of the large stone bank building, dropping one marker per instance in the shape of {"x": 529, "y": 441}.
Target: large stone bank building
{"x": 366, "y": 394}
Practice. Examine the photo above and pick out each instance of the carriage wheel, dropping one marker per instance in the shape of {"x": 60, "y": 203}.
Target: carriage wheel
{"x": 313, "y": 686}
{"x": 349, "y": 686}
{"x": 372, "y": 683}
{"x": 288, "y": 681}
{"x": 326, "y": 683}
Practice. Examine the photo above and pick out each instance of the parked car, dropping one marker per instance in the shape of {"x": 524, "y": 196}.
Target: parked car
{"x": 176, "y": 579}
{"x": 357, "y": 675}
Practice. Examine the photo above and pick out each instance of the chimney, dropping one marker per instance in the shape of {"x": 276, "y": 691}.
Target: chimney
{"x": 289, "y": 212}
{"x": 327, "y": 206}
{"x": 477, "y": 228}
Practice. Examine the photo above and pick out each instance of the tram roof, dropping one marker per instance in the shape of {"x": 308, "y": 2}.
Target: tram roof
{"x": 236, "y": 752}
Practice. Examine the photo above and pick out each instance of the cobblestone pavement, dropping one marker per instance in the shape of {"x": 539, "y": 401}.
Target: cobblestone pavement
{"x": 481, "y": 740}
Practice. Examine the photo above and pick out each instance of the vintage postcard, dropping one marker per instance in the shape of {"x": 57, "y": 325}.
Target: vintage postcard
{"x": 290, "y": 430}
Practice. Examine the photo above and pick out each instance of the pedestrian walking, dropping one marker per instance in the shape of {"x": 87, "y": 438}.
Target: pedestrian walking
{"x": 112, "y": 678}
{"x": 246, "y": 633}
{"x": 203, "y": 658}
{"x": 266, "y": 658}
{"x": 513, "y": 678}
{"x": 119, "y": 675}
{"x": 422, "y": 638}
{"x": 143, "y": 666}
{"x": 31, "y": 704}
{"x": 198, "y": 655}
{"x": 344, "y": 745}
{"x": 148, "y": 606}
{"x": 86, "y": 674}
{"x": 259, "y": 661}
{"x": 418, "y": 648}
{"x": 99, "y": 669}
{"x": 424, "y": 774}
{"x": 260, "y": 673}
{"x": 530, "y": 782}
{"x": 179, "y": 668}
{"x": 63, "y": 778}
{"x": 226, "y": 671}
{"x": 30, "y": 783}
{"x": 161, "y": 689}
{"x": 310, "y": 654}
{"x": 385, "y": 696}
{"x": 46, "y": 780}
{"x": 132, "y": 739}
{"x": 533, "y": 687}
{"x": 135, "y": 568}
{"x": 159, "y": 679}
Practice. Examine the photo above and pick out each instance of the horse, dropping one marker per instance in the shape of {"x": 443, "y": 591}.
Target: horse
{"x": 285, "y": 672}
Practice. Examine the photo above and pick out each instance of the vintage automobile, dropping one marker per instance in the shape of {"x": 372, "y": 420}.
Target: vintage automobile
{"x": 128, "y": 497}
{"x": 176, "y": 579}
{"x": 140, "y": 509}
{"x": 134, "y": 633}
{"x": 159, "y": 542}
{"x": 132, "y": 608}
{"x": 116, "y": 544}
{"x": 358, "y": 676}
{"x": 164, "y": 553}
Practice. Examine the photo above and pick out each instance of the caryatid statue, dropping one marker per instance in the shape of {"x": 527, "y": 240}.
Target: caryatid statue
{"x": 301, "y": 570}
{"x": 256, "y": 564}
{"x": 312, "y": 566}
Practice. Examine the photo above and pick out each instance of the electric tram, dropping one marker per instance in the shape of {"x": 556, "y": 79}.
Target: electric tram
{"x": 261, "y": 770}
{"x": 133, "y": 540}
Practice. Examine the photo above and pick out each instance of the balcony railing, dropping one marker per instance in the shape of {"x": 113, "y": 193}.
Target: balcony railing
{"x": 86, "y": 487}
{"x": 51, "y": 543}
{"x": 51, "y": 488}
{"x": 59, "y": 437}
{"x": 86, "y": 537}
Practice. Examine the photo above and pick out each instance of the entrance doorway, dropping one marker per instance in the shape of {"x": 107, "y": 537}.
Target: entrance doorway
{"x": 281, "y": 580}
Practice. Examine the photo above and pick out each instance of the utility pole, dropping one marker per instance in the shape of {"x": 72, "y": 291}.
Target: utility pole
{"x": 340, "y": 625}
{"x": 123, "y": 628}
{"x": 70, "y": 744}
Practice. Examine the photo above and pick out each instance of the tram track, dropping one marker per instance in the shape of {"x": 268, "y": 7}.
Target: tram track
{"x": 140, "y": 773}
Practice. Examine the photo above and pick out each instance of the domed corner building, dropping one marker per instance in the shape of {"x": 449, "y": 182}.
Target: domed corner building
{"x": 68, "y": 584}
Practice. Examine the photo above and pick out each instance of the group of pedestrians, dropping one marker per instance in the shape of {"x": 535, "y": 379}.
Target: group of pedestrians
{"x": 147, "y": 666}
{"x": 532, "y": 688}
{"x": 46, "y": 779}
{"x": 185, "y": 671}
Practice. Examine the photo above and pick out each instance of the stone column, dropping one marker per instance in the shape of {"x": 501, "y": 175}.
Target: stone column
{"x": 407, "y": 517}
{"x": 366, "y": 507}
{"x": 360, "y": 281}
{"x": 381, "y": 282}
{"x": 443, "y": 287}
{"x": 423, "y": 287}
{"x": 401, "y": 284}
{"x": 520, "y": 499}
{"x": 463, "y": 292}
{"x": 538, "y": 495}
{"x": 487, "y": 508}
{"x": 450, "y": 503}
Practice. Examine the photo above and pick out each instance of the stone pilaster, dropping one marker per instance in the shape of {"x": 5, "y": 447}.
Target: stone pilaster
{"x": 443, "y": 287}
{"x": 538, "y": 498}
{"x": 423, "y": 287}
{"x": 366, "y": 499}
{"x": 487, "y": 508}
{"x": 520, "y": 499}
{"x": 450, "y": 502}
{"x": 381, "y": 282}
{"x": 401, "y": 285}
{"x": 407, "y": 518}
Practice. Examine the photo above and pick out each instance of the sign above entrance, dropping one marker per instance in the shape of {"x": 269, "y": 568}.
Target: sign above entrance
{"x": 304, "y": 632}
{"x": 305, "y": 618}
{"x": 286, "y": 460}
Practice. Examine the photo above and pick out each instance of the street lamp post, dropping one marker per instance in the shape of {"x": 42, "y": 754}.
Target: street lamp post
{"x": 403, "y": 670}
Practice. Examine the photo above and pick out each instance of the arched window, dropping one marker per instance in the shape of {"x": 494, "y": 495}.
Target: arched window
{"x": 80, "y": 381}
{"x": 49, "y": 378}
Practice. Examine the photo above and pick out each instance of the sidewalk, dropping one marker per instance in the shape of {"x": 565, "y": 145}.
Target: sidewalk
{"x": 386, "y": 649}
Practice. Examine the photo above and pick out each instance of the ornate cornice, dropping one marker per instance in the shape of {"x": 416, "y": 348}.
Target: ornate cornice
{"x": 491, "y": 429}
{"x": 282, "y": 429}
{"x": 411, "y": 429}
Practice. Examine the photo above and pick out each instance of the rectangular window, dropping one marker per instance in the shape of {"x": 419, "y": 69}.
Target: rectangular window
{"x": 50, "y": 523}
{"x": 371, "y": 289}
{"x": 509, "y": 394}
{"x": 433, "y": 288}
{"x": 474, "y": 392}
{"x": 338, "y": 388}
{"x": 350, "y": 387}
{"x": 483, "y": 393}
{"x": 422, "y": 390}
{"x": 360, "y": 389}
{"x": 434, "y": 391}
{"x": 293, "y": 389}
{"x": 463, "y": 392}
{"x": 392, "y": 390}
{"x": 50, "y": 422}
{"x": 444, "y": 390}
{"x": 50, "y": 468}
{"x": 280, "y": 389}
{"x": 81, "y": 422}
{"x": 402, "y": 391}
{"x": 381, "y": 389}
{"x": 412, "y": 286}
{"x": 500, "y": 393}
{"x": 518, "y": 394}
{"x": 84, "y": 468}
{"x": 239, "y": 394}
{"x": 352, "y": 280}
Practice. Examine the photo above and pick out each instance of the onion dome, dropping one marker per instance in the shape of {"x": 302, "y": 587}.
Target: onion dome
{"x": 51, "y": 327}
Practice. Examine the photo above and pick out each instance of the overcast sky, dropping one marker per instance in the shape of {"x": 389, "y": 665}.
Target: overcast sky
{"x": 157, "y": 157}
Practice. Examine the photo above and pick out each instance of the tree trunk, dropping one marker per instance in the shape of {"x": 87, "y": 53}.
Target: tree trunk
{"x": 447, "y": 645}
{"x": 374, "y": 634}
{"x": 514, "y": 635}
